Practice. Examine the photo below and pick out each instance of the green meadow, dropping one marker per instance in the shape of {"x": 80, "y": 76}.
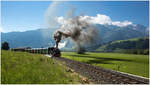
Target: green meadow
{"x": 27, "y": 68}
{"x": 129, "y": 63}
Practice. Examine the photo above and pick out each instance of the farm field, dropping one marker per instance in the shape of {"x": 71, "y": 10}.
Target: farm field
{"x": 129, "y": 63}
{"x": 22, "y": 67}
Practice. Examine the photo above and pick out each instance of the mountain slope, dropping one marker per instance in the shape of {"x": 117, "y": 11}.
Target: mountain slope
{"x": 112, "y": 33}
{"x": 35, "y": 38}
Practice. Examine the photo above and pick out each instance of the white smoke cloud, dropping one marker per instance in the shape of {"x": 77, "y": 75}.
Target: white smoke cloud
{"x": 61, "y": 20}
{"x": 62, "y": 45}
{"x": 51, "y": 13}
{"x": 99, "y": 19}
{"x": 82, "y": 32}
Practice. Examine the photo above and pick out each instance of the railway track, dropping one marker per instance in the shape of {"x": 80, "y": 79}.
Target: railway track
{"x": 102, "y": 76}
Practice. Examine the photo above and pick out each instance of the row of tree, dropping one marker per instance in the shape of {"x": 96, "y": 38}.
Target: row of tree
{"x": 135, "y": 46}
{"x": 130, "y": 44}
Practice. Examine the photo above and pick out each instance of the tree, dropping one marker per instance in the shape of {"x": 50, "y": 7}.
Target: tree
{"x": 5, "y": 46}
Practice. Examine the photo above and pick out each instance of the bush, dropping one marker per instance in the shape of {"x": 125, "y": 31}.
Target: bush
{"x": 132, "y": 51}
{"x": 146, "y": 52}
{"x": 5, "y": 46}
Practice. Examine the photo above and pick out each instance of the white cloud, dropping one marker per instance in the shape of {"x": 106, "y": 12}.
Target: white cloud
{"x": 1, "y": 29}
{"x": 99, "y": 19}
{"x": 121, "y": 24}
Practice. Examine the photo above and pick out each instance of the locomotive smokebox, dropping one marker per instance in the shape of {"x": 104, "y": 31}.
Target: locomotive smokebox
{"x": 54, "y": 52}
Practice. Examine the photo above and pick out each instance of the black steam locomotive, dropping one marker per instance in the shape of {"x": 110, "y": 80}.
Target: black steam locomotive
{"x": 54, "y": 52}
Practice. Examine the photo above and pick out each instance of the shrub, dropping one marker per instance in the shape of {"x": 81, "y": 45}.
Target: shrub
{"x": 5, "y": 46}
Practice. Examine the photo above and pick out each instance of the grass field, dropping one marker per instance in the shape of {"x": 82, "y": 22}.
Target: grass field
{"x": 21, "y": 67}
{"x": 129, "y": 63}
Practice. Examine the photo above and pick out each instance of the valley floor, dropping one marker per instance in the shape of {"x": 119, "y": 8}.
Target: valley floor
{"x": 28, "y": 68}
{"x": 129, "y": 63}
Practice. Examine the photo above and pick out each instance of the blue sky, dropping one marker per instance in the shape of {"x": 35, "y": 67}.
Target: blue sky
{"x": 24, "y": 15}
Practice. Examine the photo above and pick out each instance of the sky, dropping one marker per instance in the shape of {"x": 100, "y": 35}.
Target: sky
{"x": 31, "y": 15}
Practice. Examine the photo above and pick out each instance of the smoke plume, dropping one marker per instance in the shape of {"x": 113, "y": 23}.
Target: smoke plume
{"x": 80, "y": 31}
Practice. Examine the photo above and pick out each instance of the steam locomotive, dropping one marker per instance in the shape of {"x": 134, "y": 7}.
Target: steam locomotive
{"x": 54, "y": 52}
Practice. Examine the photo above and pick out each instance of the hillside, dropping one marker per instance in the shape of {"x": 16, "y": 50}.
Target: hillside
{"x": 26, "y": 68}
{"x": 34, "y": 38}
{"x": 113, "y": 33}
{"x": 44, "y": 37}
{"x": 135, "y": 45}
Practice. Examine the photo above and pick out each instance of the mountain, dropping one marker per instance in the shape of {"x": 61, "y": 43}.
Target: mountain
{"x": 112, "y": 33}
{"x": 43, "y": 37}
{"x": 34, "y": 38}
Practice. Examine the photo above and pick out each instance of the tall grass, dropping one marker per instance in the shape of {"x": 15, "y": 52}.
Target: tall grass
{"x": 27, "y": 68}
